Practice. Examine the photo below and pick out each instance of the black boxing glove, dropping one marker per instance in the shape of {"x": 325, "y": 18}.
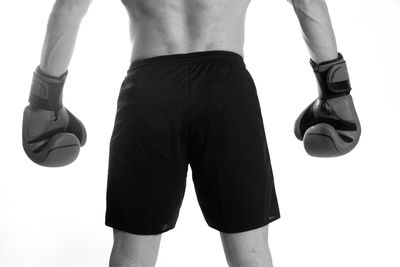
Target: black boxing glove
{"x": 329, "y": 126}
{"x": 51, "y": 134}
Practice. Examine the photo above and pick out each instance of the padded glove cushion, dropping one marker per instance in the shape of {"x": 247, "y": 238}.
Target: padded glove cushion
{"x": 329, "y": 126}
{"x": 51, "y": 134}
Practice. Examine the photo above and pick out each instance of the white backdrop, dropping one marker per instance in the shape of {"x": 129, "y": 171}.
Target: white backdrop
{"x": 335, "y": 212}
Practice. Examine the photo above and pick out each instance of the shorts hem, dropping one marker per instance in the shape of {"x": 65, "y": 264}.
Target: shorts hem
{"x": 244, "y": 228}
{"x": 139, "y": 232}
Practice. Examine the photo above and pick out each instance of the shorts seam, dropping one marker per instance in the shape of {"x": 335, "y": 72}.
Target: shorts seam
{"x": 218, "y": 184}
{"x": 189, "y": 77}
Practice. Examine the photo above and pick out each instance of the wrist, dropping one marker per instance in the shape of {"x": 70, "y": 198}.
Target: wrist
{"x": 46, "y": 90}
{"x": 332, "y": 77}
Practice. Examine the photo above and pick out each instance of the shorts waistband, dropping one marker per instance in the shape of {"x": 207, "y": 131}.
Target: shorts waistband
{"x": 191, "y": 57}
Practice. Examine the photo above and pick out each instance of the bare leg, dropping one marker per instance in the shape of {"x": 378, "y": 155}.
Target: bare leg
{"x": 131, "y": 250}
{"x": 61, "y": 34}
{"x": 317, "y": 29}
{"x": 247, "y": 249}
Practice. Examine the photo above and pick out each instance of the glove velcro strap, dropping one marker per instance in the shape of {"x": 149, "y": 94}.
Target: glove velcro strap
{"x": 46, "y": 91}
{"x": 333, "y": 78}
{"x": 338, "y": 78}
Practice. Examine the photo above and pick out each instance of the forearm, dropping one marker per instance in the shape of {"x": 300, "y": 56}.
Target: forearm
{"x": 317, "y": 29}
{"x": 62, "y": 30}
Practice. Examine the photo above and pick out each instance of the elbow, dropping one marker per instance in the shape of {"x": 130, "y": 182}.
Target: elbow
{"x": 72, "y": 7}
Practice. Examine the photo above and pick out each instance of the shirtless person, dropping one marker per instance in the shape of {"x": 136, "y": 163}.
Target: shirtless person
{"x": 187, "y": 99}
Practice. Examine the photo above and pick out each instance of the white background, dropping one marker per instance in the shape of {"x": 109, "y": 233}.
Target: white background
{"x": 335, "y": 212}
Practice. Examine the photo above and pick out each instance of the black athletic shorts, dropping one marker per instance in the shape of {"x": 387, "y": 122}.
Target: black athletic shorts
{"x": 198, "y": 108}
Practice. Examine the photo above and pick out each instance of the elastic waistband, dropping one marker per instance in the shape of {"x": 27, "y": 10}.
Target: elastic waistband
{"x": 192, "y": 57}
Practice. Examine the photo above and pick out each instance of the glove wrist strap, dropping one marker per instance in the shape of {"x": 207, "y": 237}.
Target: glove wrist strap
{"x": 46, "y": 90}
{"x": 332, "y": 77}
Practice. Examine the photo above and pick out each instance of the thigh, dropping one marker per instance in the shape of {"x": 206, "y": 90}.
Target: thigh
{"x": 230, "y": 160}
{"x": 147, "y": 165}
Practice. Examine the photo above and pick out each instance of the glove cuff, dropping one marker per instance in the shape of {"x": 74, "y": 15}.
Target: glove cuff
{"x": 332, "y": 77}
{"x": 46, "y": 90}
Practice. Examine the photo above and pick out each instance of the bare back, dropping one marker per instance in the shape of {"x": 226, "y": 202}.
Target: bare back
{"x": 162, "y": 27}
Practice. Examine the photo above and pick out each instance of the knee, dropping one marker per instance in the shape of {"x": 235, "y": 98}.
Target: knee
{"x": 248, "y": 261}
{"x": 252, "y": 258}
{"x": 116, "y": 262}
{"x": 130, "y": 250}
{"x": 72, "y": 7}
{"x": 123, "y": 262}
{"x": 304, "y": 2}
{"x": 122, "y": 257}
